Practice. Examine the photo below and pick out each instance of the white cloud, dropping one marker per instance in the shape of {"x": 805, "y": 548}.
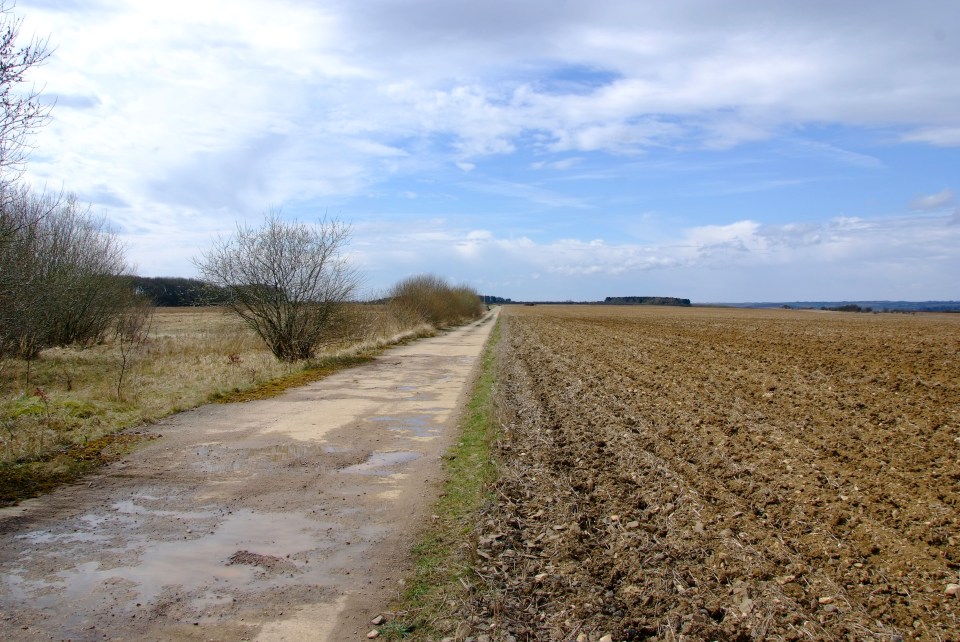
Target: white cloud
{"x": 178, "y": 116}
{"x": 163, "y": 81}
{"x": 939, "y": 136}
{"x": 841, "y": 258}
{"x": 560, "y": 165}
{"x": 933, "y": 201}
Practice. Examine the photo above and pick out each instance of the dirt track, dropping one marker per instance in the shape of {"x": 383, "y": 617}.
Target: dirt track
{"x": 286, "y": 519}
{"x": 724, "y": 475}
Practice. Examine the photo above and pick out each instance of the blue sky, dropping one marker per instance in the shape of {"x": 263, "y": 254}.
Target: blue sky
{"x": 545, "y": 149}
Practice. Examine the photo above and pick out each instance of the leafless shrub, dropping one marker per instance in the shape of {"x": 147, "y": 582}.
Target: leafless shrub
{"x": 427, "y": 298}
{"x": 61, "y": 274}
{"x": 287, "y": 280}
{"x": 132, "y": 329}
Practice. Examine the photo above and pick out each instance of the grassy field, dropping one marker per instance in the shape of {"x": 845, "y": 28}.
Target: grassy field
{"x": 61, "y": 413}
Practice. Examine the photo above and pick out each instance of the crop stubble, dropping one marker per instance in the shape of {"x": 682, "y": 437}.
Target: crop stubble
{"x": 724, "y": 474}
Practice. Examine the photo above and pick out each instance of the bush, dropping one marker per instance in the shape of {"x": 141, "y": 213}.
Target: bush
{"x": 287, "y": 280}
{"x": 427, "y": 298}
{"x": 61, "y": 275}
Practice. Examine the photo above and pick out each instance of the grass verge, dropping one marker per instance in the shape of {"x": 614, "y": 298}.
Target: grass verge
{"x": 442, "y": 562}
{"x": 21, "y": 480}
{"x": 322, "y": 368}
{"x": 72, "y": 452}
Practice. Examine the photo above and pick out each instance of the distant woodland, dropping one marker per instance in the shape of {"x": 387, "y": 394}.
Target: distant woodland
{"x": 645, "y": 300}
{"x": 175, "y": 292}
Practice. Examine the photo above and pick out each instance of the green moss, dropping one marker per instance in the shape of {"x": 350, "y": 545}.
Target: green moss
{"x": 313, "y": 372}
{"x": 24, "y": 406}
{"x": 79, "y": 409}
{"x": 21, "y": 480}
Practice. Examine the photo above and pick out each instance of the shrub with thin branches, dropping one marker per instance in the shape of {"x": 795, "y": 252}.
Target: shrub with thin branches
{"x": 62, "y": 274}
{"x": 427, "y": 298}
{"x": 287, "y": 280}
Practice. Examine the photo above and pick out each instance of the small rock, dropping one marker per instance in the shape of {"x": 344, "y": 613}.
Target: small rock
{"x": 633, "y": 524}
{"x": 377, "y": 621}
{"x": 952, "y": 589}
{"x": 373, "y": 634}
{"x": 606, "y": 638}
{"x": 582, "y": 637}
{"x": 825, "y": 600}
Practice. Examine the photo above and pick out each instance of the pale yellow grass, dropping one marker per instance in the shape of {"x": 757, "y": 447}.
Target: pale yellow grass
{"x": 71, "y": 396}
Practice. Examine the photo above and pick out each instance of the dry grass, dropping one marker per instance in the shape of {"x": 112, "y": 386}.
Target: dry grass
{"x": 69, "y": 398}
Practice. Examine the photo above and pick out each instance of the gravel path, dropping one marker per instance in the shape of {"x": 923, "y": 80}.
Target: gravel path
{"x": 284, "y": 519}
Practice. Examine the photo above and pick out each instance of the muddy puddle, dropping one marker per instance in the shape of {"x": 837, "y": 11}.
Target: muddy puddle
{"x": 419, "y": 425}
{"x": 192, "y": 554}
{"x": 383, "y": 463}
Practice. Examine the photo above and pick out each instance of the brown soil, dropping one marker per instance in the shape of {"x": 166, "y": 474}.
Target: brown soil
{"x": 708, "y": 474}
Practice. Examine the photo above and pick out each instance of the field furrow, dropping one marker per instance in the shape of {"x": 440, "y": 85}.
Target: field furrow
{"x": 726, "y": 474}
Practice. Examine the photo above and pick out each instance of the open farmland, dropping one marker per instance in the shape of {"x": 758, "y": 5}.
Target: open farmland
{"x": 724, "y": 474}
{"x": 61, "y": 413}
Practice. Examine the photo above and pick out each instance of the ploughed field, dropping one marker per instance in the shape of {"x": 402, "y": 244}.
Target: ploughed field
{"x": 697, "y": 473}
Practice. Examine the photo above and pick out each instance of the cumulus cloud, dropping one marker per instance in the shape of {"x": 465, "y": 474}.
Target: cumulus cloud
{"x": 214, "y": 111}
{"x": 478, "y": 80}
{"x": 707, "y": 263}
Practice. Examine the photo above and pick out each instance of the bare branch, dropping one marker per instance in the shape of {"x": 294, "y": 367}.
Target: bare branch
{"x": 22, "y": 112}
{"x": 287, "y": 280}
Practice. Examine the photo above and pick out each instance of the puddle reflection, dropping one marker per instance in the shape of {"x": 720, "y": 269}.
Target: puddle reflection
{"x": 380, "y": 463}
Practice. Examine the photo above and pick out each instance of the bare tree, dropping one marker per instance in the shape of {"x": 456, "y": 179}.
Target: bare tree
{"x": 289, "y": 281}
{"x": 23, "y": 112}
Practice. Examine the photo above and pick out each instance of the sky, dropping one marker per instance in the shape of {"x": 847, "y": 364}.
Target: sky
{"x": 537, "y": 150}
